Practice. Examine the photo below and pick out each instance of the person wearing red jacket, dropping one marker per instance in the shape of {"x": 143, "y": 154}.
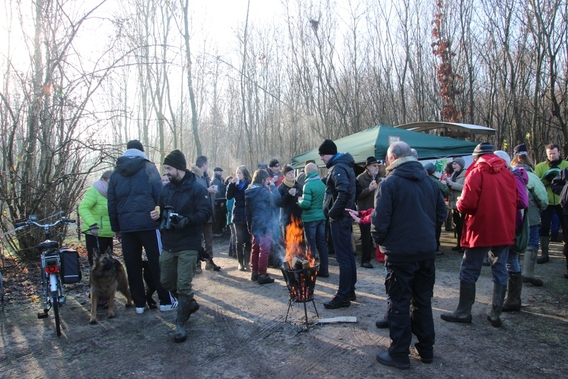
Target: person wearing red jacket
{"x": 489, "y": 202}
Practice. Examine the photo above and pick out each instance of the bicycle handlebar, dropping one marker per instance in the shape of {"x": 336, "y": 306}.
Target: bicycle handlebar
{"x": 43, "y": 226}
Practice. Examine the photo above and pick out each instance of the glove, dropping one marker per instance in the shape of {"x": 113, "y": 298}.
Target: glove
{"x": 94, "y": 230}
{"x": 179, "y": 222}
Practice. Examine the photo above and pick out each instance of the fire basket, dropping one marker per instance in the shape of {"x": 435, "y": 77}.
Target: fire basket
{"x": 300, "y": 282}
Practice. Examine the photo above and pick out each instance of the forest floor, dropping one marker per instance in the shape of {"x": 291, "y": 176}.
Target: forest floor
{"x": 240, "y": 332}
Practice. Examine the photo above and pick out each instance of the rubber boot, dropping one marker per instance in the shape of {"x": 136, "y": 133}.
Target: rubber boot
{"x": 544, "y": 241}
{"x": 514, "y": 287}
{"x": 240, "y": 258}
{"x": 528, "y": 268}
{"x": 497, "y": 304}
{"x": 186, "y": 306}
{"x": 467, "y": 298}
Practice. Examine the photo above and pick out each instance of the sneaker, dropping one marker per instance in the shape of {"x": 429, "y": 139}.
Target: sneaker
{"x": 337, "y": 302}
{"x": 168, "y": 307}
{"x": 139, "y": 310}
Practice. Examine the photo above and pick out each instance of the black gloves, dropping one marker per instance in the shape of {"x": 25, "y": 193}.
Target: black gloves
{"x": 179, "y": 222}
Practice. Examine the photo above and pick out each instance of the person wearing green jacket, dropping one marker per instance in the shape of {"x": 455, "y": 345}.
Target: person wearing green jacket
{"x": 94, "y": 212}
{"x": 313, "y": 217}
{"x": 547, "y": 171}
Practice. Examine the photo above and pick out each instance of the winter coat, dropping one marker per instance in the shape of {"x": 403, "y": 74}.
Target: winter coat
{"x": 522, "y": 179}
{"x": 558, "y": 185}
{"x": 221, "y": 189}
{"x": 444, "y": 189}
{"x": 188, "y": 199}
{"x": 312, "y": 200}
{"x": 340, "y": 187}
{"x": 538, "y": 197}
{"x": 546, "y": 171}
{"x": 259, "y": 204}
{"x": 366, "y": 198}
{"x": 489, "y": 201}
{"x": 456, "y": 188}
{"x": 133, "y": 192}
{"x": 289, "y": 204}
{"x": 237, "y": 192}
{"x": 408, "y": 207}
{"x": 94, "y": 210}
{"x": 205, "y": 181}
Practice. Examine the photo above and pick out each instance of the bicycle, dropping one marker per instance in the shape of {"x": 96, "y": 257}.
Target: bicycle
{"x": 52, "y": 285}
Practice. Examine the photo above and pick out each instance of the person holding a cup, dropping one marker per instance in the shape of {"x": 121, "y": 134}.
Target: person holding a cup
{"x": 289, "y": 190}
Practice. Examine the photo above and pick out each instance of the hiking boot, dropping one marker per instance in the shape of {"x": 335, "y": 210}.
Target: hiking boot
{"x": 337, "y": 302}
{"x": 384, "y": 358}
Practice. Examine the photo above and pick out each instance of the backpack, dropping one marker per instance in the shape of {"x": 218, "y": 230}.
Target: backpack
{"x": 522, "y": 236}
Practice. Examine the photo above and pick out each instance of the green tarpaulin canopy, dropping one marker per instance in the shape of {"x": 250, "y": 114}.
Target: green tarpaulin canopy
{"x": 376, "y": 140}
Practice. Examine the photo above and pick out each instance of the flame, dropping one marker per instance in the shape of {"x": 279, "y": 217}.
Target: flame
{"x": 295, "y": 246}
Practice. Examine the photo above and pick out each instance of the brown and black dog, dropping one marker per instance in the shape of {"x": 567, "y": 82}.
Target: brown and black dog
{"x": 107, "y": 276}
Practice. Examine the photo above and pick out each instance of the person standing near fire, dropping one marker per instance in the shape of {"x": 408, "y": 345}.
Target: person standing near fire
{"x": 340, "y": 193}
{"x": 408, "y": 207}
{"x": 368, "y": 181}
{"x": 261, "y": 198}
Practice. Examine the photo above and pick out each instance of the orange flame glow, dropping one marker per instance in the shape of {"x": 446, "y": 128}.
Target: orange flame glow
{"x": 295, "y": 246}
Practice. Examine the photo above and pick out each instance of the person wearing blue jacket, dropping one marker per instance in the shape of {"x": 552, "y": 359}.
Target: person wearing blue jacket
{"x": 261, "y": 198}
{"x": 340, "y": 194}
{"x": 133, "y": 192}
{"x": 408, "y": 207}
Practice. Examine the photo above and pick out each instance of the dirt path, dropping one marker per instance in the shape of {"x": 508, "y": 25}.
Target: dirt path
{"x": 239, "y": 332}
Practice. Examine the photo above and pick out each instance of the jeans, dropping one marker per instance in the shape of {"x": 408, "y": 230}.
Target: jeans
{"x": 341, "y": 233}
{"x": 367, "y": 248}
{"x": 513, "y": 263}
{"x": 472, "y": 263}
{"x": 534, "y": 235}
{"x": 315, "y": 237}
{"x": 260, "y": 252}
{"x": 410, "y": 283}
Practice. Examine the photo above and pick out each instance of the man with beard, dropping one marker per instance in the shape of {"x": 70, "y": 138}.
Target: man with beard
{"x": 183, "y": 207}
{"x": 547, "y": 171}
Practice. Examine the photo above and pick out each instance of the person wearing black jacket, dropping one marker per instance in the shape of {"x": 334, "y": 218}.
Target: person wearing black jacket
{"x": 183, "y": 208}
{"x": 559, "y": 187}
{"x": 133, "y": 192}
{"x": 236, "y": 190}
{"x": 340, "y": 193}
{"x": 407, "y": 208}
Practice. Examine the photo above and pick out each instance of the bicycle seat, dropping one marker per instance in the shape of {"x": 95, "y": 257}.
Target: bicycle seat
{"x": 48, "y": 245}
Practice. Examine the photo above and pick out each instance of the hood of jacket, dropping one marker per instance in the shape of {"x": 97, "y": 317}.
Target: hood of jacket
{"x": 344, "y": 158}
{"x": 128, "y": 166}
{"x": 489, "y": 163}
{"x": 253, "y": 191}
{"x": 409, "y": 169}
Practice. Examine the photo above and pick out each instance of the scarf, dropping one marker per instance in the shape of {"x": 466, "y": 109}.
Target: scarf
{"x": 289, "y": 183}
{"x": 101, "y": 186}
{"x": 553, "y": 164}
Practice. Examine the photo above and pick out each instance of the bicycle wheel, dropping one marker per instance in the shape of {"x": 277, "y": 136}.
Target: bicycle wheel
{"x": 55, "y": 307}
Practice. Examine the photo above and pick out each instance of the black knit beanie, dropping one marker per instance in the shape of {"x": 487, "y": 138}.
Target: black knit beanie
{"x": 135, "y": 144}
{"x": 176, "y": 160}
{"x": 483, "y": 148}
{"x": 328, "y": 147}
